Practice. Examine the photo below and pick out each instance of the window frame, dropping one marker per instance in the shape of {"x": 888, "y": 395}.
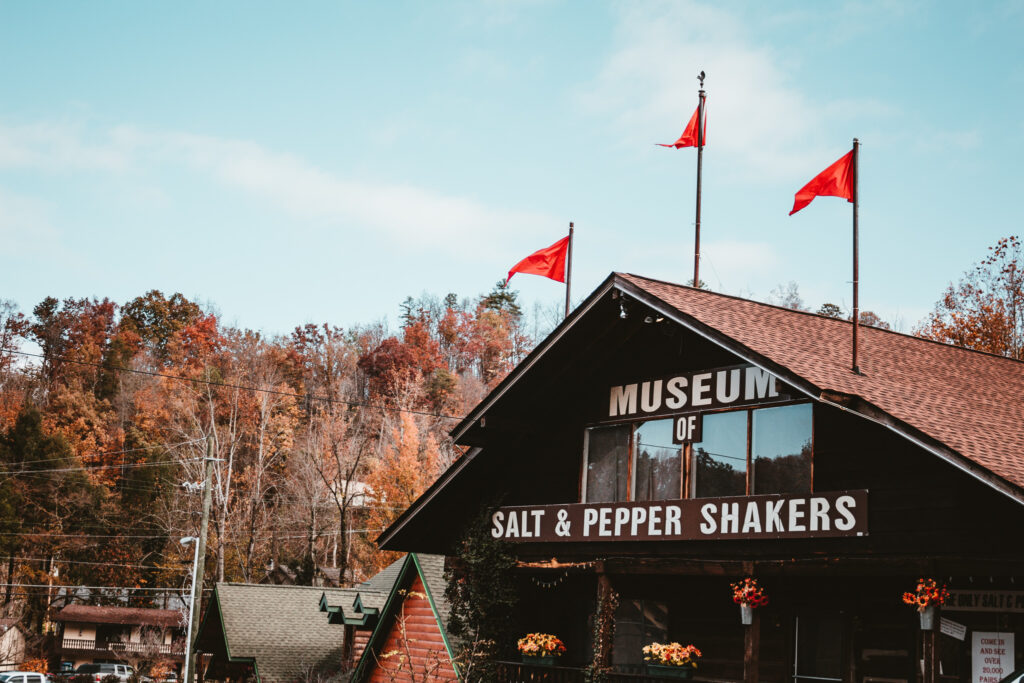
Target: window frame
{"x": 688, "y": 482}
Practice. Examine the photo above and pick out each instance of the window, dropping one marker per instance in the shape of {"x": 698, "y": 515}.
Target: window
{"x": 607, "y": 464}
{"x": 759, "y": 451}
{"x": 659, "y": 462}
{"x": 782, "y": 449}
{"x": 819, "y": 649}
{"x": 720, "y": 460}
{"x": 637, "y": 623}
{"x": 633, "y": 462}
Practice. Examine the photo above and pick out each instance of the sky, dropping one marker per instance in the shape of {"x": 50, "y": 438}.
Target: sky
{"x": 288, "y": 163}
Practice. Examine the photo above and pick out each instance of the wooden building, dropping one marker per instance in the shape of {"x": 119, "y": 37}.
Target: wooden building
{"x": 409, "y": 642}
{"x": 97, "y": 634}
{"x": 665, "y": 441}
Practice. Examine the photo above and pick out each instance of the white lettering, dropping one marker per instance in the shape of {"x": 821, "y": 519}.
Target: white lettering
{"x": 707, "y": 511}
{"x": 819, "y": 514}
{"x": 537, "y": 514}
{"x": 639, "y": 517}
{"x": 589, "y": 520}
{"x": 606, "y": 522}
{"x": 752, "y": 520}
{"x": 772, "y": 518}
{"x": 621, "y": 518}
{"x": 700, "y": 390}
{"x": 622, "y": 400}
{"x": 512, "y": 528}
{"x": 760, "y": 384}
{"x": 496, "y": 528}
{"x": 730, "y": 517}
{"x": 653, "y": 521}
{"x": 672, "y": 525}
{"x": 733, "y": 392}
{"x": 650, "y": 397}
{"x": 796, "y": 514}
{"x": 677, "y": 388}
{"x": 843, "y": 507}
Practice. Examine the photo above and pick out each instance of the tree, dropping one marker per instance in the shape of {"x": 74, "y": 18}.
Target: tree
{"x": 985, "y": 309}
{"x": 787, "y": 296}
{"x": 830, "y": 310}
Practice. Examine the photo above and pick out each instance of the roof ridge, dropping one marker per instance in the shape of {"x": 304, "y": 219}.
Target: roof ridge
{"x": 826, "y": 317}
{"x": 280, "y": 585}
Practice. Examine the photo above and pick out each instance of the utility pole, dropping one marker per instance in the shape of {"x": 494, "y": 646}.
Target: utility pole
{"x": 190, "y": 662}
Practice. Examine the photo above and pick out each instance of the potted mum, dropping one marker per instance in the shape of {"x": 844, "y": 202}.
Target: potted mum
{"x": 749, "y": 596}
{"x": 928, "y": 595}
{"x": 540, "y": 648}
{"x": 671, "y": 660}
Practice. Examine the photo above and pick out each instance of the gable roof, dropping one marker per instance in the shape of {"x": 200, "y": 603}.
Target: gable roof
{"x": 278, "y": 628}
{"x": 968, "y": 402}
{"x": 964, "y": 406}
{"x": 98, "y": 614}
{"x": 360, "y": 605}
{"x": 430, "y": 569}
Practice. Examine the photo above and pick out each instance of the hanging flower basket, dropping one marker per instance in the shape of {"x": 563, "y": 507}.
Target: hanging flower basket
{"x": 749, "y": 596}
{"x": 927, "y": 597}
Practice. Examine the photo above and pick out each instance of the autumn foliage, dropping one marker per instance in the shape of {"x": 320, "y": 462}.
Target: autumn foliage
{"x": 985, "y": 309}
{"x": 322, "y": 437}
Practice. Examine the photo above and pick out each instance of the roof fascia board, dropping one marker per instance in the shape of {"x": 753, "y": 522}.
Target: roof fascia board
{"x": 367, "y": 653}
{"x": 531, "y": 359}
{"x": 427, "y": 496}
{"x": 868, "y": 411}
{"x": 437, "y": 615}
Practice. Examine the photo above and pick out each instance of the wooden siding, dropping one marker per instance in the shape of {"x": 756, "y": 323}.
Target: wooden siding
{"x": 414, "y": 648}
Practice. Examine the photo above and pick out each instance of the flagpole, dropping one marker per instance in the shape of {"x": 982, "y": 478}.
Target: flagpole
{"x": 856, "y": 303}
{"x": 700, "y": 164}
{"x": 568, "y": 272}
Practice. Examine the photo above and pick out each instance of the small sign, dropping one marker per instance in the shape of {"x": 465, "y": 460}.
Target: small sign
{"x": 991, "y": 656}
{"x": 813, "y": 515}
{"x": 687, "y": 429}
{"x": 953, "y": 629}
{"x": 985, "y": 601}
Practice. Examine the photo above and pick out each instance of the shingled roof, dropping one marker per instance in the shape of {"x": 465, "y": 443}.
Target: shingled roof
{"x": 278, "y": 628}
{"x": 970, "y": 402}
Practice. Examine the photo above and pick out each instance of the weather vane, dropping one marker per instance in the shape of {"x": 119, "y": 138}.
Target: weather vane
{"x": 701, "y": 79}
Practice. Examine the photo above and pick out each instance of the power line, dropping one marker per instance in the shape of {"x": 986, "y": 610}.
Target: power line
{"x": 228, "y": 385}
{"x": 86, "y": 468}
{"x": 127, "y": 450}
{"x": 58, "y": 560}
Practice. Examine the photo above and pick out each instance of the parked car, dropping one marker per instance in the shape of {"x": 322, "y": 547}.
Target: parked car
{"x": 22, "y": 677}
{"x": 101, "y": 671}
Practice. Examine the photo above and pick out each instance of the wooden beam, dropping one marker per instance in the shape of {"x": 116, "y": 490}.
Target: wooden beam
{"x": 752, "y": 649}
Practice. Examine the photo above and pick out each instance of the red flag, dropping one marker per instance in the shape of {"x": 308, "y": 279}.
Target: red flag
{"x": 834, "y": 181}
{"x": 689, "y": 136}
{"x": 549, "y": 262}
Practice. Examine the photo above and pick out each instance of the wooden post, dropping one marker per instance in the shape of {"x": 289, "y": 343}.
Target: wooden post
{"x": 752, "y": 648}
{"x": 929, "y": 654}
{"x": 607, "y": 601}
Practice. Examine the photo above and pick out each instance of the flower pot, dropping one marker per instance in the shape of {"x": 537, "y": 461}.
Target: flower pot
{"x": 547, "y": 660}
{"x": 927, "y": 618}
{"x": 665, "y": 671}
{"x": 746, "y": 615}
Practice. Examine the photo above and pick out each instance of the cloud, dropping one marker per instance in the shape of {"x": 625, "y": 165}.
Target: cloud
{"x": 412, "y": 217}
{"x": 58, "y": 147}
{"x": 25, "y": 226}
{"x": 759, "y": 121}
